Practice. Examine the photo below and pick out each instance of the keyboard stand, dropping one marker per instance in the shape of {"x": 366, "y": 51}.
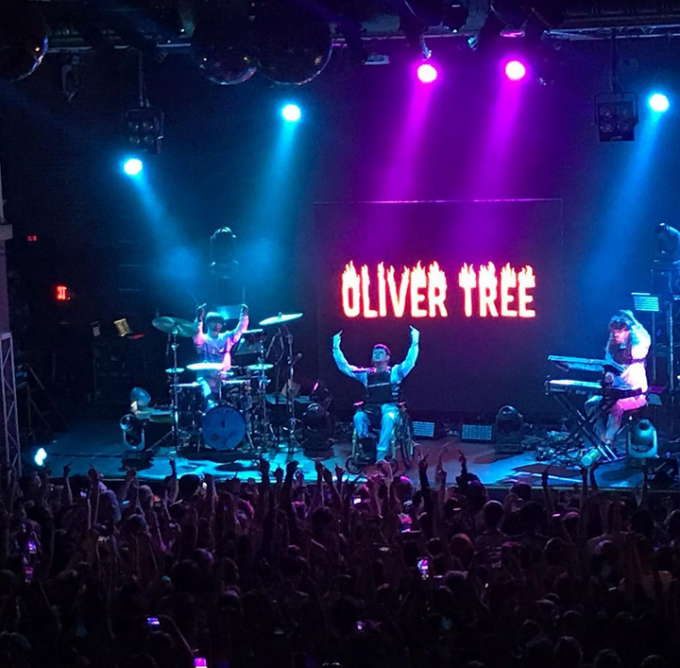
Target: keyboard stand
{"x": 583, "y": 428}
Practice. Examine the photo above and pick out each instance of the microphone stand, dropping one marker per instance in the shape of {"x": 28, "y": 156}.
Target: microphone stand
{"x": 262, "y": 395}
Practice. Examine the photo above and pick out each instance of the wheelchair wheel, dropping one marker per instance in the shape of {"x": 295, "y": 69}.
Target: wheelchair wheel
{"x": 353, "y": 466}
{"x": 407, "y": 444}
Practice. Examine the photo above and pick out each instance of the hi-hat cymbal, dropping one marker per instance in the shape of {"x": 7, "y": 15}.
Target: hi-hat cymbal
{"x": 174, "y": 370}
{"x": 205, "y": 366}
{"x": 260, "y": 367}
{"x": 280, "y": 319}
{"x": 179, "y": 326}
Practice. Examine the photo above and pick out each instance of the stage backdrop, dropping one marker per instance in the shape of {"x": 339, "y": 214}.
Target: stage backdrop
{"x": 481, "y": 280}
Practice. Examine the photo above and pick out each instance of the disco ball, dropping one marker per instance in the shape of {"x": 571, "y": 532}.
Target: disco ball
{"x": 221, "y": 47}
{"x": 293, "y": 46}
{"x": 23, "y": 40}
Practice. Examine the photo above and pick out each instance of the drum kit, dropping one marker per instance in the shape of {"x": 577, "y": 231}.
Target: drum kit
{"x": 238, "y": 420}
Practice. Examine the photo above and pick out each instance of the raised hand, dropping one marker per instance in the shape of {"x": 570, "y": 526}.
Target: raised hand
{"x": 336, "y": 339}
{"x": 385, "y": 469}
{"x": 291, "y": 467}
{"x": 440, "y": 473}
{"x": 264, "y": 467}
{"x": 544, "y": 475}
{"x": 415, "y": 334}
{"x": 244, "y": 309}
{"x": 327, "y": 475}
{"x": 339, "y": 472}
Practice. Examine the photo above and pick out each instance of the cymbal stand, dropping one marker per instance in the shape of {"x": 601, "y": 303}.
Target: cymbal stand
{"x": 173, "y": 434}
{"x": 174, "y": 345}
{"x": 293, "y": 443}
{"x": 262, "y": 382}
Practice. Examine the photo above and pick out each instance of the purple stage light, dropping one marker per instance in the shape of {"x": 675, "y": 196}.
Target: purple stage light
{"x": 515, "y": 70}
{"x": 427, "y": 73}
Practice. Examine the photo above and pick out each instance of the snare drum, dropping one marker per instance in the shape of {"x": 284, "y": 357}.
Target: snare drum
{"x": 223, "y": 428}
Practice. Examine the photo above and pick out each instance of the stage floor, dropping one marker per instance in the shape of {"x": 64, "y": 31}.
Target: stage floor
{"x": 99, "y": 443}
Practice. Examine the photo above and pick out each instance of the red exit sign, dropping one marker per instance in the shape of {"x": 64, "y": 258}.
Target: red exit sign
{"x": 61, "y": 293}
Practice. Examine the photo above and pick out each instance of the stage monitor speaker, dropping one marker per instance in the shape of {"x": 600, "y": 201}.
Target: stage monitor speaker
{"x": 137, "y": 459}
{"x": 508, "y": 448}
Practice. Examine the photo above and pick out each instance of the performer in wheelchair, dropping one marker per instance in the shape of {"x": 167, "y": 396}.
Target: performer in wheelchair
{"x": 627, "y": 346}
{"x": 215, "y": 346}
{"x": 383, "y": 388}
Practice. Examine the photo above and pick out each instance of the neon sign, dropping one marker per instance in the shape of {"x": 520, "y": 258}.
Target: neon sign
{"x": 421, "y": 292}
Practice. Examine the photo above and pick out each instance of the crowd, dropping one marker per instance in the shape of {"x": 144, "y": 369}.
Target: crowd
{"x": 287, "y": 572}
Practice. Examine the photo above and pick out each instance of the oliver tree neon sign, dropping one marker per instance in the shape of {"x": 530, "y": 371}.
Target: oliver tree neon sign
{"x": 421, "y": 292}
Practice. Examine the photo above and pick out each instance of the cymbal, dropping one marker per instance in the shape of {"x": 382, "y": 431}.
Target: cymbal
{"x": 260, "y": 367}
{"x": 253, "y": 332}
{"x": 174, "y": 370}
{"x": 179, "y": 326}
{"x": 280, "y": 319}
{"x": 205, "y": 366}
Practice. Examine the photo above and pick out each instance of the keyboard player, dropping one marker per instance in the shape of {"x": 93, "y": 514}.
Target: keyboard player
{"x": 628, "y": 345}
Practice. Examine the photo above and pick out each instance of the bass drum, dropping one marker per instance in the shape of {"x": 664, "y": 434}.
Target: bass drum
{"x": 223, "y": 428}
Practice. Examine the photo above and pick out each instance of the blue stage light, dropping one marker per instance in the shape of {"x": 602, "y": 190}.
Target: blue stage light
{"x": 40, "y": 457}
{"x": 658, "y": 102}
{"x": 291, "y": 113}
{"x": 133, "y": 166}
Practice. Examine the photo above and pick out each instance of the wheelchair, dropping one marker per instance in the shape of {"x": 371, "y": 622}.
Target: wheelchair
{"x": 364, "y": 449}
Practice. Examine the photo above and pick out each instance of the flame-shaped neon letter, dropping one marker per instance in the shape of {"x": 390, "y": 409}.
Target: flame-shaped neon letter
{"x": 398, "y": 297}
{"x": 488, "y": 290}
{"x": 351, "y": 291}
{"x": 418, "y": 286}
{"x": 436, "y": 291}
{"x": 527, "y": 280}
{"x": 365, "y": 296}
{"x": 508, "y": 281}
{"x": 467, "y": 279}
{"x": 382, "y": 291}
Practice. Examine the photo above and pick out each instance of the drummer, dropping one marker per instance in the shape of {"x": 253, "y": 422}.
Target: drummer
{"x": 215, "y": 346}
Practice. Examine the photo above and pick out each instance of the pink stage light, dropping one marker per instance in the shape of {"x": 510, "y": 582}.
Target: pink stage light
{"x": 515, "y": 71}
{"x": 427, "y": 73}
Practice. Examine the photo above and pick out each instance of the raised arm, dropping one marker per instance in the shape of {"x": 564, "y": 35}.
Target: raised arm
{"x": 199, "y": 337}
{"x": 641, "y": 342}
{"x": 342, "y": 363}
{"x": 405, "y": 367}
{"x": 235, "y": 335}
